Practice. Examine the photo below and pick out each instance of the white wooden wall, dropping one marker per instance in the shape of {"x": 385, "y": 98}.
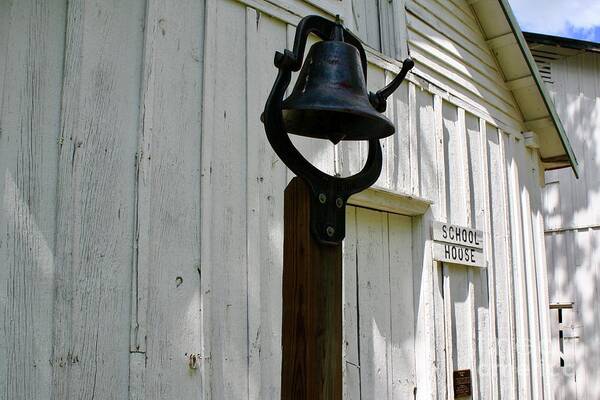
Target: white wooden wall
{"x": 142, "y": 206}
{"x": 379, "y": 330}
{"x": 573, "y": 229}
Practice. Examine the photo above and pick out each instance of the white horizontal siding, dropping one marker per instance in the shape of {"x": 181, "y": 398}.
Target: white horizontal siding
{"x": 449, "y": 47}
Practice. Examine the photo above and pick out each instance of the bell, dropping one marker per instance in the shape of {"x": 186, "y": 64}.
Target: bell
{"x": 330, "y": 99}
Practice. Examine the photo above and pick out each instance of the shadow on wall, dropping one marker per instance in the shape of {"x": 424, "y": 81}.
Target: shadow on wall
{"x": 572, "y": 223}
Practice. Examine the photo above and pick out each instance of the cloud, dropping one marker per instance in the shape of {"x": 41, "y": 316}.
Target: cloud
{"x": 571, "y": 18}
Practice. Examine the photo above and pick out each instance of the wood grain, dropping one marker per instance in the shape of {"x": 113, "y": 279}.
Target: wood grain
{"x": 518, "y": 269}
{"x": 351, "y": 349}
{"x": 266, "y": 179}
{"x": 31, "y": 50}
{"x": 312, "y": 306}
{"x": 223, "y": 177}
{"x": 165, "y": 298}
{"x": 94, "y": 216}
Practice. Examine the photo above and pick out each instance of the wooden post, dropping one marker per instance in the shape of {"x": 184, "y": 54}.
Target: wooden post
{"x": 312, "y": 306}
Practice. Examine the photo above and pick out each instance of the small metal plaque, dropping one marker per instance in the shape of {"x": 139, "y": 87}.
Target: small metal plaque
{"x": 462, "y": 383}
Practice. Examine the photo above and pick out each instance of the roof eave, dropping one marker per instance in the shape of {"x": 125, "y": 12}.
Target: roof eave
{"x": 564, "y": 42}
{"x": 540, "y": 85}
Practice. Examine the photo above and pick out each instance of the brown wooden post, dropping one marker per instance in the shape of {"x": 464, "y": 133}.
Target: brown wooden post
{"x": 312, "y": 306}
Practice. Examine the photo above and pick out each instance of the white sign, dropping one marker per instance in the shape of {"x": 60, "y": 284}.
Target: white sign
{"x": 443, "y": 232}
{"x": 457, "y": 245}
{"x": 456, "y": 254}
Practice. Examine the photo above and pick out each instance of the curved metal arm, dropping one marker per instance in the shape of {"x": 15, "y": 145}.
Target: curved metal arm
{"x": 379, "y": 99}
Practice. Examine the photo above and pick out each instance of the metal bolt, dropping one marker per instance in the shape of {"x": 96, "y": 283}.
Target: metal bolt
{"x": 322, "y": 198}
{"x": 330, "y": 231}
{"x": 193, "y": 359}
{"x": 339, "y": 202}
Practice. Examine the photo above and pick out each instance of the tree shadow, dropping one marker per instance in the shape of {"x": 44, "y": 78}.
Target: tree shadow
{"x": 572, "y": 224}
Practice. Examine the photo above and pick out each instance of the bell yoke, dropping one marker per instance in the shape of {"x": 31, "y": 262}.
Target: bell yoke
{"x": 329, "y": 101}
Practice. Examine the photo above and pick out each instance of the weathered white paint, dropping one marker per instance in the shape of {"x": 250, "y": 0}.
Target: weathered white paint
{"x": 30, "y": 85}
{"x": 572, "y": 224}
{"x": 166, "y": 263}
{"x": 142, "y": 205}
{"x": 95, "y": 199}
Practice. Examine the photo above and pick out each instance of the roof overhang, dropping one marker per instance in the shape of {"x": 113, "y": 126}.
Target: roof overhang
{"x": 506, "y": 41}
{"x": 568, "y": 46}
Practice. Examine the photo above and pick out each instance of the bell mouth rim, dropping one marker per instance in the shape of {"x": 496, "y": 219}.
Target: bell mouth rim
{"x": 375, "y": 116}
{"x": 388, "y": 127}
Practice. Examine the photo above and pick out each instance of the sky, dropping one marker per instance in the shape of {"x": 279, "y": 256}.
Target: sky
{"x": 577, "y": 19}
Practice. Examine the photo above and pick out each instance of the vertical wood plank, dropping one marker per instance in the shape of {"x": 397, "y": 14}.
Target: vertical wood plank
{"x": 166, "y": 319}
{"x": 266, "y": 179}
{"x": 482, "y": 302}
{"x": 489, "y": 364}
{"x": 554, "y": 355}
{"x": 460, "y": 282}
{"x": 31, "y": 54}
{"x": 400, "y": 29}
{"x": 392, "y": 22}
{"x": 373, "y": 303}
{"x": 499, "y": 267}
{"x": 440, "y": 150}
{"x": 457, "y": 288}
{"x": 519, "y": 279}
{"x": 100, "y": 100}
{"x": 351, "y": 349}
{"x": 398, "y": 156}
{"x": 223, "y": 203}
{"x": 426, "y": 297}
{"x": 402, "y": 338}
{"x": 448, "y": 330}
{"x": 499, "y": 203}
{"x": 426, "y": 145}
{"x": 542, "y": 275}
{"x": 208, "y": 123}
{"x": 388, "y": 144}
{"x": 530, "y": 270}
{"x": 570, "y": 318}
{"x": 595, "y": 368}
{"x": 386, "y": 22}
{"x": 379, "y": 343}
{"x": 469, "y": 128}
{"x": 443, "y": 348}
{"x": 414, "y": 139}
{"x": 456, "y": 211}
{"x": 366, "y": 21}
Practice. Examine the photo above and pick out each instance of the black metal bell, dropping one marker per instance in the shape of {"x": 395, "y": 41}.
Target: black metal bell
{"x": 330, "y": 99}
